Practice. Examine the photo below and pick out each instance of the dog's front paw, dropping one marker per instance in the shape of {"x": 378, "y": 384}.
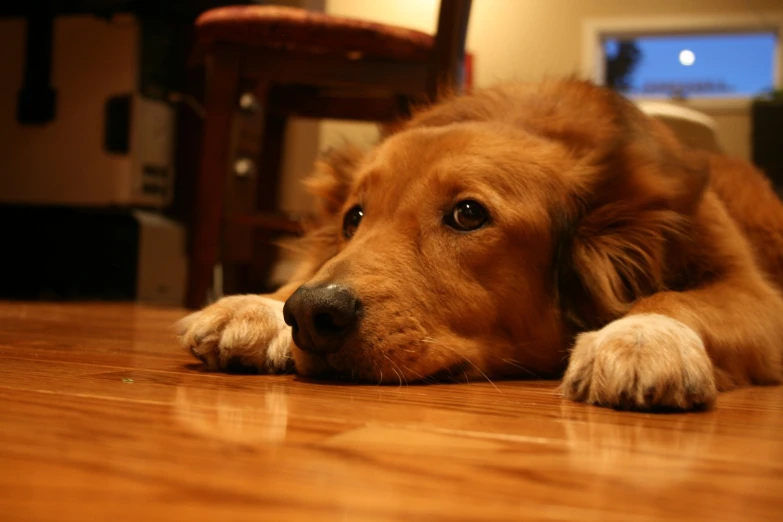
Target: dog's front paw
{"x": 643, "y": 362}
{"x": 240, "y": 331}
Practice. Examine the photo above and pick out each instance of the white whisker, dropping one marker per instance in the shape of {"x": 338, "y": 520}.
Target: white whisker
{"x": 420, "y": 376}
{"x": 431, "y": 340}
{"x": 393, "y": 369}
{"x": 515, "y": 364}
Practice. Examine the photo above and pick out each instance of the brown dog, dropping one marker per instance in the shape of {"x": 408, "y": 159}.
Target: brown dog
{"x": 515, "y": 232}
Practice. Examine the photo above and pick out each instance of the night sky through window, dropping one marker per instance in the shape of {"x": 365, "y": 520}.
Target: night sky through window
{"x": 704, "y": 65}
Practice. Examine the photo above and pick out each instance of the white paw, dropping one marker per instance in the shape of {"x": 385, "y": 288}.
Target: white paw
{"x": 643, "y": 361}
{"x": 239, "y": 331}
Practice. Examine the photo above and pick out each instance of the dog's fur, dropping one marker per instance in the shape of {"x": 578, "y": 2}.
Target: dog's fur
{"x": 648, "y": 273}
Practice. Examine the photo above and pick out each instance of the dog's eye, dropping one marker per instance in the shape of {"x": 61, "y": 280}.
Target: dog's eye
{"x": 467, "y": 215}
{"x": 351, "y": 221}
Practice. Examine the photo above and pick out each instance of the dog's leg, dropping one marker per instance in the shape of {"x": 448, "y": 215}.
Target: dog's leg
{"x": 241, "y": 331}
{"x": 677, "y": 349}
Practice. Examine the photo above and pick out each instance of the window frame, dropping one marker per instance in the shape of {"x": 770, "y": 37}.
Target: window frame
{"x": 596, "y": 30}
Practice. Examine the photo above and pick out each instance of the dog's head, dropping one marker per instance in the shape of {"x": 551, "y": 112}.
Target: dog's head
{"x": 481, "y": 237}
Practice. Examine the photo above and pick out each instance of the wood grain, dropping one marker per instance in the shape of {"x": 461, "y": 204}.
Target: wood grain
{"x": 102, "y": 417}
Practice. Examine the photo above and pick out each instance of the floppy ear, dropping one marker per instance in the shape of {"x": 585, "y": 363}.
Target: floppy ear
{"x": 632, "y": 203}
{"x": 330, "y": 185}
{"x": 330, "y": 182}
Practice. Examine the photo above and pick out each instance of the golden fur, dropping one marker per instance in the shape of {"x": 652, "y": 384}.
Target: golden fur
{"x": 649, "y": 274}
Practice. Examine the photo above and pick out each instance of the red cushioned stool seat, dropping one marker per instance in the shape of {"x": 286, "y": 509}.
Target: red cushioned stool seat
{"x": 299, "y": 30}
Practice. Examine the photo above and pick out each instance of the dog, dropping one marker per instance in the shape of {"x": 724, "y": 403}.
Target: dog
{"x": 545, "y": 230}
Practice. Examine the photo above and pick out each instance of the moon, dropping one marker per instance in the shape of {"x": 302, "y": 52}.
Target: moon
{"x": 687, "y": 57}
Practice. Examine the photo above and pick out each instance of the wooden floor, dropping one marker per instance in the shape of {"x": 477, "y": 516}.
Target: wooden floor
{"x": 103, "y": 417}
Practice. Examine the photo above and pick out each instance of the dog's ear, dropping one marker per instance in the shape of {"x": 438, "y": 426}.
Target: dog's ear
{"x": 631, "y": 205}
{"x": 330, "y": 185}
{"x": 330, "y": 182}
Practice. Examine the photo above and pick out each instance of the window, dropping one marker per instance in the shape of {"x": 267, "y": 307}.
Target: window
{"x": 691, "y": 65}
{"x": 712, "y": 61}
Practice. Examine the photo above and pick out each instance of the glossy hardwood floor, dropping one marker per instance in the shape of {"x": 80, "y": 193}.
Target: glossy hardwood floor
{"x": 103, "y": 417}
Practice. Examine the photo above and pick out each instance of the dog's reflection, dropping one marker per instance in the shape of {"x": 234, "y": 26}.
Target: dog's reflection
{"x": 641, "y": 448}
{"x": 231, "y": 417}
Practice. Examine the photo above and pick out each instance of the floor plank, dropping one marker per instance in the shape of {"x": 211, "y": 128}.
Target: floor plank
{"x": 103, "y": 417}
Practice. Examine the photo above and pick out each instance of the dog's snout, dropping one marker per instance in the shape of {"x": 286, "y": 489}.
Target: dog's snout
{"x": 321, "y": 317}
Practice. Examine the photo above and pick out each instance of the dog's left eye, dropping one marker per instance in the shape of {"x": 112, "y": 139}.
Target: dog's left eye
{"x": 351, "y": 221}
{"x": 467, "y": 215}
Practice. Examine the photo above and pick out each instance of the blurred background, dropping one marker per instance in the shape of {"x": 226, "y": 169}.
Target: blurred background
{"x": 102, "y": 110}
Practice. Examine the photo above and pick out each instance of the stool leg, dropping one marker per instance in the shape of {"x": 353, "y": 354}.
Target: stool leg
{"x": 221, "y": 99}
{"x": 269, "y": 177}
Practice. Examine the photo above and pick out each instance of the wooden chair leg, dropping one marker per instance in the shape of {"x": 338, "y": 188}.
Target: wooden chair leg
{"x": 221, "y": 100}
{"x": 240, "y": 239}
{"x": 269, "y": 177}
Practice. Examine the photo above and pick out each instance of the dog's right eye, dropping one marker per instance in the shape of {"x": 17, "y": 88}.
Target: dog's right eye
{"x": 351, "y": 221}
{"x": 466, "y": 216}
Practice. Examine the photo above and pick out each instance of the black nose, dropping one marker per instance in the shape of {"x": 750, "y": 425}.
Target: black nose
{"x": 321, "y": 317}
